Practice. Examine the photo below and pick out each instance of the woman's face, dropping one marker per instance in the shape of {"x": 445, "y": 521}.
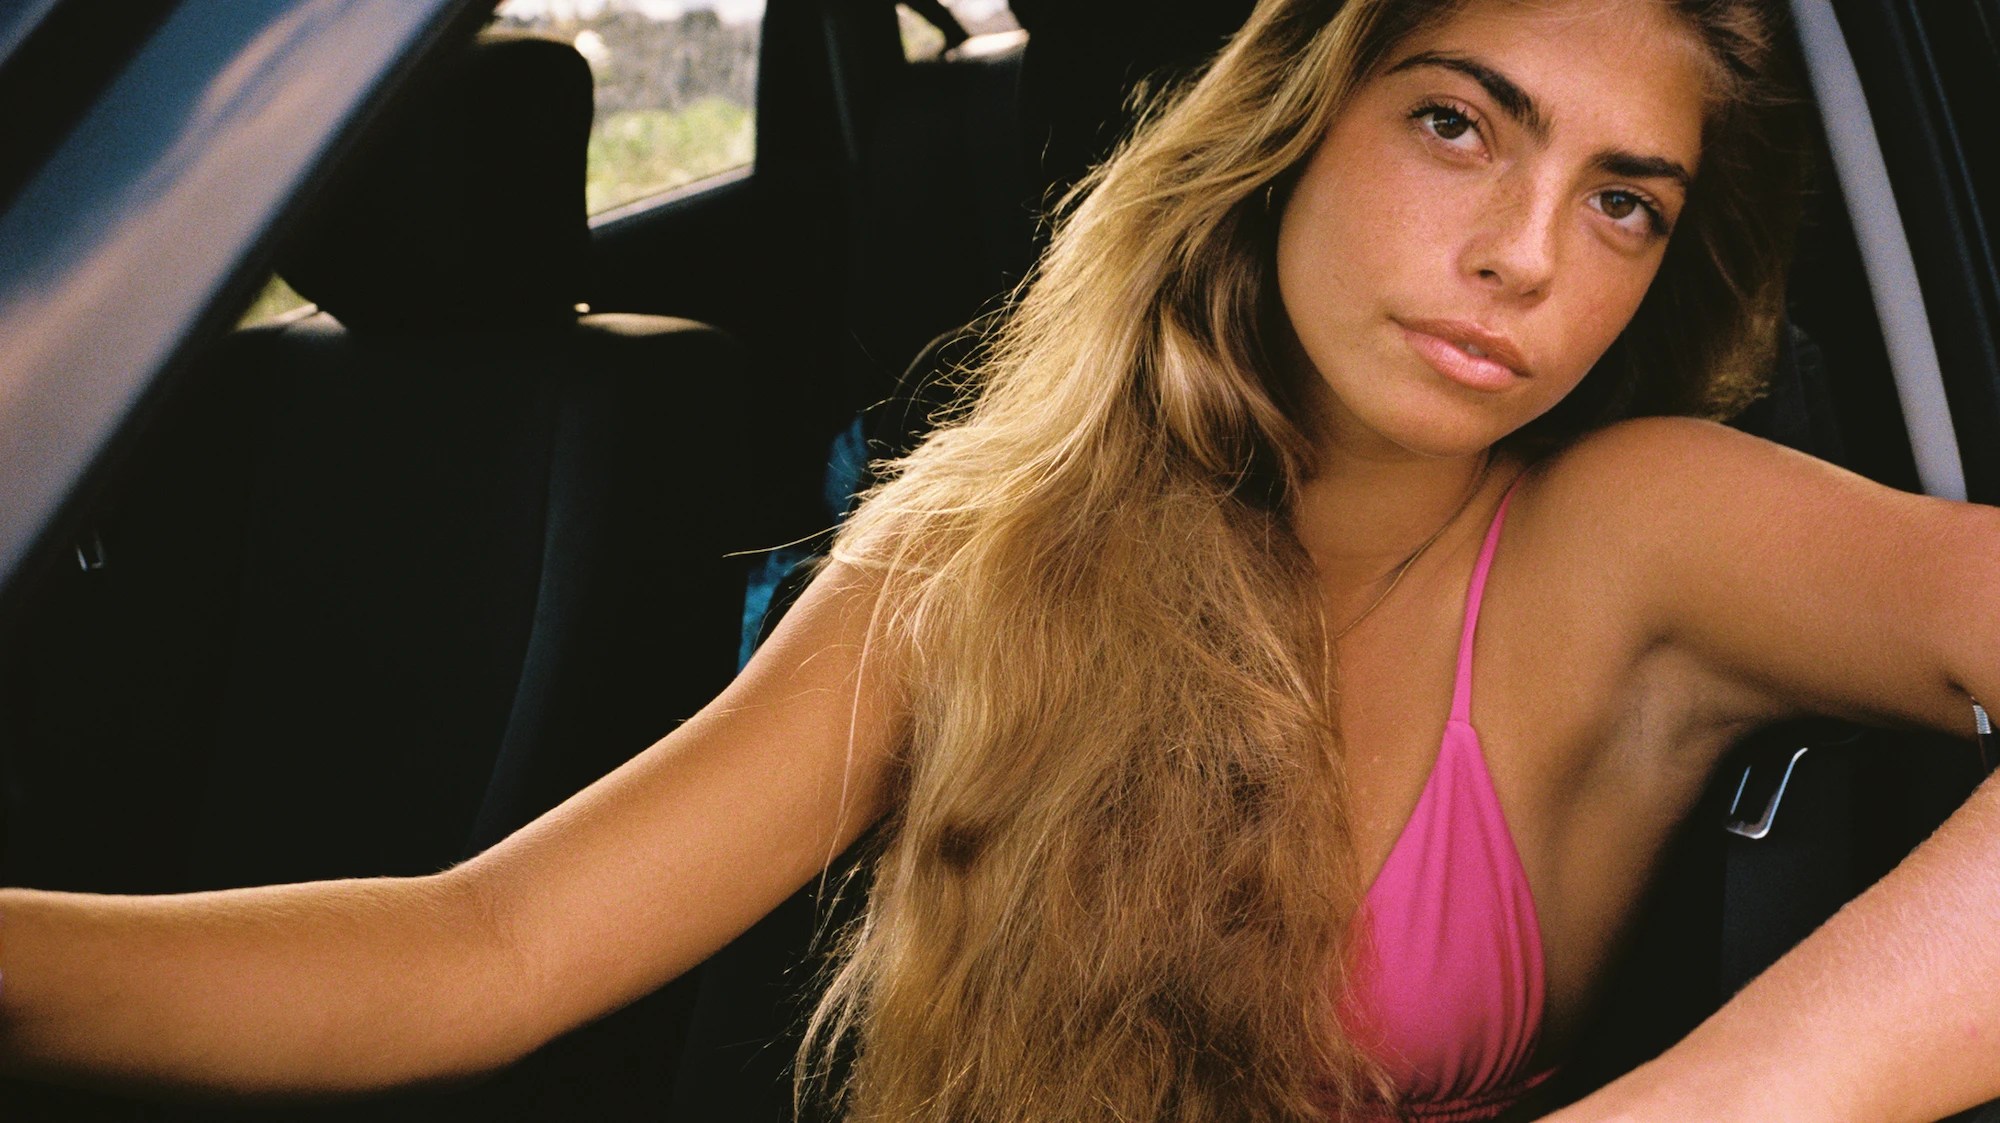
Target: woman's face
{"x": 1506, "y": 182}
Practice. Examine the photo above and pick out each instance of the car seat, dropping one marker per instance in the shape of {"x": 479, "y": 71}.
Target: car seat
{"x": 386, "y": 581}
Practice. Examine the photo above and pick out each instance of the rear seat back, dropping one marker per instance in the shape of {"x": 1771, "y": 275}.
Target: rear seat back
{"x": 961, "y": 158}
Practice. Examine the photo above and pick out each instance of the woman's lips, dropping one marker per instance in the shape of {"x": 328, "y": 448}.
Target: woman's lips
{"x": 1452, "y": 361}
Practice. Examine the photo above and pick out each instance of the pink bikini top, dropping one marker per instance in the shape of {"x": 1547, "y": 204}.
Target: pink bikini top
{"x": 1448, "y": 998}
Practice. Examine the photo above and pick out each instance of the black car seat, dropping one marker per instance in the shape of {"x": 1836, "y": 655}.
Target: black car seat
{"x": 957, "y": 158}
{"x": 940, "y": 226}
{"x": 383, "y": 583}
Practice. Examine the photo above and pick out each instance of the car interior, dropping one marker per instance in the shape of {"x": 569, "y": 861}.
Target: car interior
{"x": 372, "y": 584}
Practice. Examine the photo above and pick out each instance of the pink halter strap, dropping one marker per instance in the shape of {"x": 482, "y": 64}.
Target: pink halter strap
{"x": 1461, "y": 688}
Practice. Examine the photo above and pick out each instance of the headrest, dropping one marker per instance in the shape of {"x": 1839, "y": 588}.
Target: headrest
{"x": 1085, "y": 57}
{"x": 464, "y": 206}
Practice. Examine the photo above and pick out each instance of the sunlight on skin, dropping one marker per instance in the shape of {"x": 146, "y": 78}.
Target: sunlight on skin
{"x": 1428, "y": 201}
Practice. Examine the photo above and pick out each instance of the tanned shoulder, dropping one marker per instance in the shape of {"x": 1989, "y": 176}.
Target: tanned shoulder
{"x": 1659, "y": 457}
{"x": 1675, "y": 476}
{"x": 1827, "y": 591}
{"x": 1642, "y": 503}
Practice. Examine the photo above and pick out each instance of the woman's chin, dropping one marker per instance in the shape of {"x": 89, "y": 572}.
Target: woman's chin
{"x": 1431, "y": 435}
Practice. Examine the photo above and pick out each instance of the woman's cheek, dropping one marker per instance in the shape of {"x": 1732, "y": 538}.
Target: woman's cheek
{"x": 1609, "y": 299}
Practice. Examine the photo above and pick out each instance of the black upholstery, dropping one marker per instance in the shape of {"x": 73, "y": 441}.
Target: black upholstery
{"x": 1086, "y": 61}
{"x": 943, "y": 224}
{"x": 387, "y": 582}
{"x": 963, "y": 157}
{"x": 478, "y": 566}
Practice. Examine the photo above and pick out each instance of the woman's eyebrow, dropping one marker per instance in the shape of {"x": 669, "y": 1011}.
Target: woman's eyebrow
{"x": 1516, "y": 103}
{"x": 1619, "y": 162}
{"x": 1511, "y": 98}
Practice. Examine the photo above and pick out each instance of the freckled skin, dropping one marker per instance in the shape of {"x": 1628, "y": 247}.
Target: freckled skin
{"x": 1464, "y": 215}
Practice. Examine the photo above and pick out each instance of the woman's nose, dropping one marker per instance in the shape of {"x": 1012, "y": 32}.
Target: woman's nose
{"x": 1513, "y": 249}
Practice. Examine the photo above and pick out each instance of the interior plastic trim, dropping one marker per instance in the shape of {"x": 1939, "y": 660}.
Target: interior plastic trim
{"x": 1885, "y": 248}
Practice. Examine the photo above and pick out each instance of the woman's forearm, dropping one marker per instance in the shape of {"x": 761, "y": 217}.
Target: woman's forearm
{"x": 1889, "y": 1012}
{"x": 327, "y": 986}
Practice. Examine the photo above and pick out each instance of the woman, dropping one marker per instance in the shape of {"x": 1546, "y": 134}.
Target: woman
{"x": 1200, "y": 675}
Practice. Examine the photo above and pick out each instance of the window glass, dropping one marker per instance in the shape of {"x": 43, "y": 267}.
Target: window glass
{"x": 983, "y": 17}
{"x": 276, "y": 300}
{"x": 676, "y": 86}
{"x": 922, "y": 39}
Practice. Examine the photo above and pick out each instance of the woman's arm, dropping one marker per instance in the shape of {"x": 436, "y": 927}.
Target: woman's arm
{"x": 360, "y": 984}
{"x": 324, "y": 986}
{"x": 1817, "y": 591}
{"x": 1889, "y": 1013}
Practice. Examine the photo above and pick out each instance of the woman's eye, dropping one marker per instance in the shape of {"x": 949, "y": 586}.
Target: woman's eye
{"x": 1446, "y": 124}
{"x": 1632, "y": 211}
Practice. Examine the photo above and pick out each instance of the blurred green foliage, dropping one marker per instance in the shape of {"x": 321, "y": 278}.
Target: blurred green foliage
{"x": 921, "y": 38}
{"x": 639, "y": 152}
{"x": 276, "y": 300}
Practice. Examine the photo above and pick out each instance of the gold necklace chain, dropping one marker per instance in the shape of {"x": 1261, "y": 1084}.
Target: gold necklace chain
{"x": 1484, "y": 470}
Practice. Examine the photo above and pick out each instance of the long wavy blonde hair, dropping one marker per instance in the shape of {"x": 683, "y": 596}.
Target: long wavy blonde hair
{"x": 1118, "y": 881}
